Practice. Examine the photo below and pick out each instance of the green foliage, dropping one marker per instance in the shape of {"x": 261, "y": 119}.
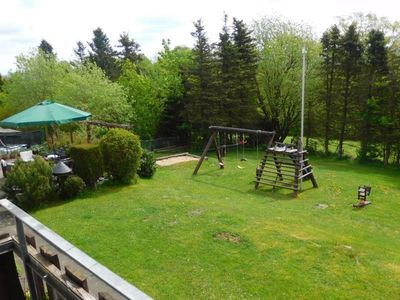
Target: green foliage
{"x": 72, "y": 187}
{"x": 144, "y": 98}
{"x": 376, "y": 104}
{"x": 245, "y": 61}
{"x": 130, "y": 50}
{"x": 331, "y": 253}
{"x": 122, "y": 152}
{"x": 29, "y": 184}
{"x": 46, "y": 48}
{"x": 103, "y": 55}
{"x": 279, "y": 74}
{"x": 147, "y": 165}
{"x": 40, "y": 77}
{"x": 201, "y": 107}
{"x": 86, "y": 87}
{"x": 173, "y": 65}
{"x": 88, "y": 162}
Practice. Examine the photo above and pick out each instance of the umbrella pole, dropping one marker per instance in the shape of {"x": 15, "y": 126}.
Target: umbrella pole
{"x": 46, "y": 132}
{"x": 49, "y": 138}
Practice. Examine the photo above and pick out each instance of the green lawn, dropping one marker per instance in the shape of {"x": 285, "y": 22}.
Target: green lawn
{"x": 214, "y": 237}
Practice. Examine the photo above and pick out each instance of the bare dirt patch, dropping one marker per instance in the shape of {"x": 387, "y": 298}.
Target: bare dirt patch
{"x": 228, "y": 237}
{"x": 196, "y": 212}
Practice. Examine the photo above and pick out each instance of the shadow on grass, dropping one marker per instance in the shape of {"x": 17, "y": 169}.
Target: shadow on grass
{"x": 268, "y": 194}
{"x": 88, "y": 193}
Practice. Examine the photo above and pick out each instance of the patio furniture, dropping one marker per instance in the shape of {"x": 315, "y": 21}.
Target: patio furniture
{"x": 61, "y": 171}
{"x": 5, "y": 167}
{"x": 26, "y": 156}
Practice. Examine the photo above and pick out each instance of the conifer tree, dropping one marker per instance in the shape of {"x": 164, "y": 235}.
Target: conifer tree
{"x": 376, "y": 120}
{"x": 103, "y": 54}
{"x": 330, "y": 45}
{"x": 225, "y": 56}
{"x": 130, "y": 50}
{"x": 201, "y": 107}
{"x": 80, "y": 52}
{"x": 1, "y": 83}
{"x": 244, "y": 67}
{"x": 46, "y": 47}
{"x": 350, "y": 58}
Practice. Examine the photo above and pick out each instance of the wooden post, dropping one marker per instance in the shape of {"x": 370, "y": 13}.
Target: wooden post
{"x": 88, "y": 133}
{"x": 221, "y": 163}
{"x": 297, "y": 168}
{"x": 260, "y": 169}
{"x": 278, "y": 167}
{"x": 210, "y": 140}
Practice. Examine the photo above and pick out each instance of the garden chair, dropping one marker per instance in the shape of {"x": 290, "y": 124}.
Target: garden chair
{"x": 26, "y": 155}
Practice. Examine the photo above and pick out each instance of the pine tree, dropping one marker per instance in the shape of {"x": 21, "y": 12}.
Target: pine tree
{"x": 244, "y": 66}
{"x": 225, "y": 56}
{"x": 80, "y": 52}
{"x": 394, "y": 77}
{"x": 103, "y": 54}
{"x": 1, "y": 83}
{"x": 46, "y": 47}
{"x": 330, "y": 44}
{"x": 201, "y": 107}
{"x": 375, "y": 108}
{"x": 350, "y": 58}
{"x": 130, "y": 50}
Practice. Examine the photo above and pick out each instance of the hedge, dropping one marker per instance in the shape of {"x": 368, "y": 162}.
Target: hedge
{"x": 122, "y": 152}
{"x": 87, "y": 162}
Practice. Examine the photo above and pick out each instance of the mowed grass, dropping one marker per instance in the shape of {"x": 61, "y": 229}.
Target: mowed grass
{"x": 214, "y": 237}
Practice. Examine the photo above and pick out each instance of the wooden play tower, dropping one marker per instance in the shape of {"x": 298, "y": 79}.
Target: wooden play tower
{"x": 284, "y": 166}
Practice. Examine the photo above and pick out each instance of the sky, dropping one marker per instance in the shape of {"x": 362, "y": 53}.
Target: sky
{"x": 24, "y": 23}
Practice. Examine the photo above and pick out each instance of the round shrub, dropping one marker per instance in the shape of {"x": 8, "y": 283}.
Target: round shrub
{"x": 72, "y": 187}
{"x": 88, "y": 162}
{"x": 121, "y": 152}
{"x": 147, "y": 165}
{"x": 29, "y": 183}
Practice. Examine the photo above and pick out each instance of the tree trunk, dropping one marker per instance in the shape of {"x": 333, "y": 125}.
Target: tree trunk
{"x": 344, "y": 116}
{"x": 386, "y": 154}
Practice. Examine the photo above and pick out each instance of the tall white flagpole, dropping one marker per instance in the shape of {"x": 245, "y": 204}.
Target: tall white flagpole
{"x": 303, "y": 79}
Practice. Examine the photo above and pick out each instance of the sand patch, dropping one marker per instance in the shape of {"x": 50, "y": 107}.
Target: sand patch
{"x": 175, "y": 159}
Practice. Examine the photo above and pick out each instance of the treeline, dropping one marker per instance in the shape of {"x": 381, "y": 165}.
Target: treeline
{"x": 250, "y": 77}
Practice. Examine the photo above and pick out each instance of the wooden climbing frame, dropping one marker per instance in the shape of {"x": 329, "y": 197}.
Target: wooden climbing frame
{"x": 284, "y": 166}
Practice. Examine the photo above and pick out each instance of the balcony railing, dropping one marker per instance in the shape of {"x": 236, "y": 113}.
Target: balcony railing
{"x": 57, "y": 270}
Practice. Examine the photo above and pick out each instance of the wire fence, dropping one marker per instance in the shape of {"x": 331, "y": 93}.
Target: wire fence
{"x": 163, "y": 144}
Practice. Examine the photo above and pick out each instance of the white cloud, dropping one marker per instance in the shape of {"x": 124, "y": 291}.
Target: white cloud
{"x": 62, "y": 23}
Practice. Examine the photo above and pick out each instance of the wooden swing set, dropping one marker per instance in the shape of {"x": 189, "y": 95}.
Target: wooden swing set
{"x": 282, "y": 166}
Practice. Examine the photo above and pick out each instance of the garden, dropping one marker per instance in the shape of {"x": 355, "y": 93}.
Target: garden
{"x": 213, "y": 236}
{"x": 225, "y": 230}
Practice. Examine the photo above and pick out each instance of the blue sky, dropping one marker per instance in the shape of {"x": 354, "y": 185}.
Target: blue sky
{"x": 23, "y": 23}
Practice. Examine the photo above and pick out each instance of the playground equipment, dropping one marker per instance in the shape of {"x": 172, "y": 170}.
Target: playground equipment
{"x": 285, "y": 166}
{"x": 216, "y": 130}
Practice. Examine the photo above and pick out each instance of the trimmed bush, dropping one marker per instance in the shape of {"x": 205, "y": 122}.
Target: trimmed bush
{"x": 29, "y": 184}
{"x": 72, "y": 187}
{"x": 121, "y": 151}
{"x": 147, "y": 165}
{"x": 88, "y": 162}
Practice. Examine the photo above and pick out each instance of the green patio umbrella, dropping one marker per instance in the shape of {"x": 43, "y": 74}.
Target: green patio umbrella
{"x": 47, "y": 112}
